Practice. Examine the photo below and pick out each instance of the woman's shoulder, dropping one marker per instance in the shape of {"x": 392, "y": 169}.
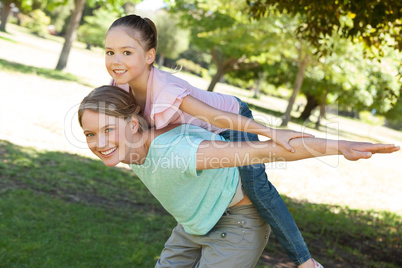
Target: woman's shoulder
{"x": 183, "y": 134}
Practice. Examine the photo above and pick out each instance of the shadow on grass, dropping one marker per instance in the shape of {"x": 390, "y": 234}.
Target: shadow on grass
{"x": 337, "y": 236}
{"x": 8, "y": 39}
{"x": 9, "y": 66}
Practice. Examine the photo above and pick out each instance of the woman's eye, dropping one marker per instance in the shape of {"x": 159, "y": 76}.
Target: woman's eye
{"x": 127, "y": 53}
{"x": 89, "y": 135}
{"x": 108, "y": 129}
{"x": 109, "y": 53}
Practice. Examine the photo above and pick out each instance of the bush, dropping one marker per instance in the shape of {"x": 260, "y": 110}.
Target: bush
{"x": 93, "y": 31}
{"x": 192, "y": 67}
{"x": 39, "y": 23}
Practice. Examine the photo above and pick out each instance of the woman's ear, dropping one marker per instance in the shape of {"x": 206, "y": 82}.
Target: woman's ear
{"x": 134, "y": 124}
{"x": 150, "y": 57}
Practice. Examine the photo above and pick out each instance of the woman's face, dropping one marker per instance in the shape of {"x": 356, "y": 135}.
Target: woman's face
{"x": 125, "y": 59}
{"x": 108, "y": 137}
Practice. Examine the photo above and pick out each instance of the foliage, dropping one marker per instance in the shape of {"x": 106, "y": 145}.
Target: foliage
{"x": 192, "y": 67}
{"x": 39, "y": 23}
{"x": 225, "y": 32}
{"x": 351, "y": 82}
{"x": 59, "y": 15}
{"x": 93, "y": 31}
{"x": 172, "y": 40}
{"x": 394, "y": 115}
{"x": 197, "y": 56}
{"x": 376, "y": 23}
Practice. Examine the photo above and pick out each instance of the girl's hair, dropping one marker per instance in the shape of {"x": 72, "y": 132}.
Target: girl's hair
{"x": 141, "y": 29}
{"x": 113, "y": 101}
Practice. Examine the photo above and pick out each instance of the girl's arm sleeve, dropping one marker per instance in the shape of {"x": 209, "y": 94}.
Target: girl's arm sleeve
{"x": 165, "y": 105}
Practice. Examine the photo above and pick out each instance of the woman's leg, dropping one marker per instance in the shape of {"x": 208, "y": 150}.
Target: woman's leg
{"x": 267, "y": 200}
{"x": 237, "y": 240}
{"x": 181, "y": 250}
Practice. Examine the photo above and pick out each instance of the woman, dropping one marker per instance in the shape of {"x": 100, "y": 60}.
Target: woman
{"x": 191, "y": 172}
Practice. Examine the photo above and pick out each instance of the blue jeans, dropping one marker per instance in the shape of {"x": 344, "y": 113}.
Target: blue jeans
{"x": 267, "y": 200}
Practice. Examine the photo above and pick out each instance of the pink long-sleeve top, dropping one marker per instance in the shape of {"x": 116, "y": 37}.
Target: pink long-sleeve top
{"x": 165, "y": 92}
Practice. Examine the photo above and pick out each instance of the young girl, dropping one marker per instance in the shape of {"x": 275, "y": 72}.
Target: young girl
{"x": 186, "y": 169}
{"x": 130, "y": 48}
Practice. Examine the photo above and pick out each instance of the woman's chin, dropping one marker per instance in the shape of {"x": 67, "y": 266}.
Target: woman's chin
{"x": 110, "y": 164}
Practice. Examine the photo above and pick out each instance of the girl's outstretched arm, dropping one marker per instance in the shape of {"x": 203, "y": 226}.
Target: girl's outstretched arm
{"x": 227, "y": 120}
{"x": 221, "y": 154}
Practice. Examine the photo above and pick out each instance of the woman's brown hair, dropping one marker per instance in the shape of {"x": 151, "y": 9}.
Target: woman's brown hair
{"x": 112, "y": 101}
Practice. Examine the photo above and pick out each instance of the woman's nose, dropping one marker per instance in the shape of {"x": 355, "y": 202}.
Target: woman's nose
{"x": 101, "y": 142}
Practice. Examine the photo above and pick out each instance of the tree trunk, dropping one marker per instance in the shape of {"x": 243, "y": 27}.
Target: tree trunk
{"x": 322, "y": 110}
{"x": 71, "y": 34}
{"x": 161, "y": 60}
{"x": 216, "y": 78}
{"x": 302, "y": 62}
{"x": 222, "y": 65}
{"x": 226, "y": 65}
{"x": 257, "y": 86}
{"x": 323, "y": 104}
{"x": 312, "y": 103}
{"x": 5, "y": 11}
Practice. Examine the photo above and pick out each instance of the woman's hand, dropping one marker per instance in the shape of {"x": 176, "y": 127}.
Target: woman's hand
{"x": 363, "y": 150}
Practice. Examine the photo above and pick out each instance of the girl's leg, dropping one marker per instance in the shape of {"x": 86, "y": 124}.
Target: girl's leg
{"x": 267, "y": 200}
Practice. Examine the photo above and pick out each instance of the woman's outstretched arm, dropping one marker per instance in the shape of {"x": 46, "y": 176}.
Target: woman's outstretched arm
{"x": 220, "y": 154}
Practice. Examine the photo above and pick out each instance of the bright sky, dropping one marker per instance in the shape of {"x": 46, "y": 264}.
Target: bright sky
{"x": 150, "y": 5}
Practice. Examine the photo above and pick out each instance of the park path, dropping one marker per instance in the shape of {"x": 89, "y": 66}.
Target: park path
{"x": 41, "y": 113}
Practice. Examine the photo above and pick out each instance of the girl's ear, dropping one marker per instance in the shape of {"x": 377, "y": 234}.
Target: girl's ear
{"x": 150, "y": 57}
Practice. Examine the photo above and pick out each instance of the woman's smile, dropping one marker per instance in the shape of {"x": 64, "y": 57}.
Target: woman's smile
{"x": 108, "y": 152}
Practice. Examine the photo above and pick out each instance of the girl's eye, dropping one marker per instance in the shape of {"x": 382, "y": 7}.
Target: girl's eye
{"x": 127, "y": 53}
{"x": 89, "y": 135}
{"x": 109, "y": 53}
{"x": 108, "y": 129}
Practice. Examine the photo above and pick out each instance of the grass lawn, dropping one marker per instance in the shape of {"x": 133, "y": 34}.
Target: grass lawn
{"x": 43, "y": 72}
{"x": 63, "y": 210}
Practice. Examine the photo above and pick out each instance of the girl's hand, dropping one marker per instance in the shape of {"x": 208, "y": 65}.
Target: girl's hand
{"x": 363, "y": 150}
{"x": 283, "y": 136}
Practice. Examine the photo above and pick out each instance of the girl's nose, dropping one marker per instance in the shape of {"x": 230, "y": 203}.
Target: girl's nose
{"x": 116, "y": 59}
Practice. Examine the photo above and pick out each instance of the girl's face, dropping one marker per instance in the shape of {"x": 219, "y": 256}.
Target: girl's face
{"x": 108, "y": 137}
{"x": 125, "y": 59}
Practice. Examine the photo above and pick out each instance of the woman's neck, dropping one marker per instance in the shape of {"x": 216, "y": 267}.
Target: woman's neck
{"x": 138, "y": 148}
{"x": 139, "y": 153}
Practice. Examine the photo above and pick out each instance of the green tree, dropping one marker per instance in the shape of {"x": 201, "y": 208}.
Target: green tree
{"x": 372, "y": 21}
{"x": 234, "y": 42}
{"x": 74, "y": 22}
{"x": 93, "y": 31}
{"x": 39, "y": 23}
{"x": 344, "y": 78}
{"x": 25, "y": 6}
{"x": 172, "y": 40}
{"x": 59, "y": 15}
{"x": 376, "y": 23}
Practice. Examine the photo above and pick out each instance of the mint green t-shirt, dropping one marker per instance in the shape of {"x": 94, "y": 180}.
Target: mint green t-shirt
{"x": 196, "y": 199}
